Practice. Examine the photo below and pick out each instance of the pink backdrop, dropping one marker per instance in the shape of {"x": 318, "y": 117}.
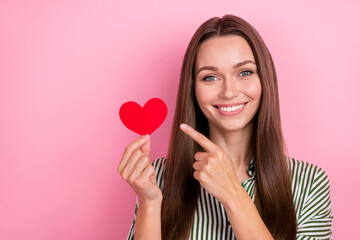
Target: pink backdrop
{"x": 67, "y": 66}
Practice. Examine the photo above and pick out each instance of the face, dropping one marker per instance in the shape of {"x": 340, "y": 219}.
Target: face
{"x": 227, "y": 84}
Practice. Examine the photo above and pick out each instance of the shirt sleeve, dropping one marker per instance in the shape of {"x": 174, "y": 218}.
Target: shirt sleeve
{"x": 159, "y": 165}
{"x": 315, "y": 216}
{"x": 132, "y": 227}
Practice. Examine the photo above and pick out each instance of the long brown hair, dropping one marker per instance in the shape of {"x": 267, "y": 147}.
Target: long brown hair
{"x": 273, "y": 195}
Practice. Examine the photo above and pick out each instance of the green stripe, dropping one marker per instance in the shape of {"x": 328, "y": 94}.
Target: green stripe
{"x": 311, "y": 194}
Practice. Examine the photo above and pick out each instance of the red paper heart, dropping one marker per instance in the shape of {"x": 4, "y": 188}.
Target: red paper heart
{"x": 143, "y": 120}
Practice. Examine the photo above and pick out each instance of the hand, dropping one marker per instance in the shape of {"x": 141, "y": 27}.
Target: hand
{"x": 214, "y": 168}
{"x": 136, "y": 169}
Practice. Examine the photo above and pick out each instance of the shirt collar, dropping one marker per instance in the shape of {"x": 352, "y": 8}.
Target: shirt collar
{"x": 251, "y": 169}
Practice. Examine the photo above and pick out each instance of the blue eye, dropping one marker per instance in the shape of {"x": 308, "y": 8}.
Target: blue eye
{"x": 246, "y": 73}
{"x": 210, "y": 78}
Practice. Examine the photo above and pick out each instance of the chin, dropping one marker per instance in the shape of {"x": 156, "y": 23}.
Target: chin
{"x": 233, "y": 126}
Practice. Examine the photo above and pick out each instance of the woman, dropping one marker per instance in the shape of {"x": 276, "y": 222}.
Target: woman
{"x": 227, "y": 174}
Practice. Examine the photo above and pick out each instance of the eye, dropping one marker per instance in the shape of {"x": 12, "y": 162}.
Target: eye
{"x": 246, "y": 73}
{"x": 210, "y": 78}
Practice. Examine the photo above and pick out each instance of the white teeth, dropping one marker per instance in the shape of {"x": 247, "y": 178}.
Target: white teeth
{"x": 231, "y": 109}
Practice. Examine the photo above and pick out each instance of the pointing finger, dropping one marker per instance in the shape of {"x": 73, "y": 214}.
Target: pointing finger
{"x": 208, "y": 145}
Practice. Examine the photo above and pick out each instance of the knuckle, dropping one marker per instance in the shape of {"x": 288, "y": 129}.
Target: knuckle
{"x": 130, "y": 181}
{"x": 152, "y": 171}
{"x": 139, "y": 153}
{"x": 219, "y": 152}
{"x": 125, "y": 176}
{"x": 149, "y": 169}
{"x": 143, "y": 161}
{"x": 121, "y": 172}
{"x": 131, "y": 147}
{"x": 136, "y": 152}
{"x": 201, "y": 175}
{"x": 127, "y": 149}
{"x": 124, "y": 173}
{"x": 210, "y": 160}
{"x": 145, "y": 158}
{"x": 208, "y": 167}
{"x": 135, "y": 156}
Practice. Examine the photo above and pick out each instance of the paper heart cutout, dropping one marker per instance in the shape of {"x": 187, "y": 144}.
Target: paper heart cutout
{"x": 143, "y": 120}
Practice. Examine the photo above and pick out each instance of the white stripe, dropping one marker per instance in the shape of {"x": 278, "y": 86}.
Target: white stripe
{"x": 307, "y": 198}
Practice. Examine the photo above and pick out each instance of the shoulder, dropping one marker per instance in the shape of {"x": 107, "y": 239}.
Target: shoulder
{"x": 311, "y": 192}
{"x": 310, "y": 184}
{"x": 308, "y": 170}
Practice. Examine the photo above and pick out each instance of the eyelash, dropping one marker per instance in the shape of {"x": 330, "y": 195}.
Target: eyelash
{"x": 249, "y": 72}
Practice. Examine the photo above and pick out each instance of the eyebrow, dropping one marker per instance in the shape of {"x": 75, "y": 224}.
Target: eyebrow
{"x": 215, "y": 68}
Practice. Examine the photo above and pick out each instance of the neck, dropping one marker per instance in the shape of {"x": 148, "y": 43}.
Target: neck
{"x": 239, "y": 144}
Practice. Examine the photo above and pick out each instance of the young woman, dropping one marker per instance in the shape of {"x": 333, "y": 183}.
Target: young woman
{"x": 227, "y": 174}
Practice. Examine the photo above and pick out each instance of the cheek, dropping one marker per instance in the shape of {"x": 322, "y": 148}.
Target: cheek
{"x": 201, "y": 95}
{"x": 254, "y": 90}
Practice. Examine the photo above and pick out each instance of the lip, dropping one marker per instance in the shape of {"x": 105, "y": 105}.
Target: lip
{"x": 230, "y": 105}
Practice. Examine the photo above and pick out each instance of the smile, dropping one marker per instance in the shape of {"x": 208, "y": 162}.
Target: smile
{"x": 230, "y": 110}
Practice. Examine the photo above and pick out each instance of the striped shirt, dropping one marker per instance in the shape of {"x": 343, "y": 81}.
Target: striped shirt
{"x": 311, "y": 192}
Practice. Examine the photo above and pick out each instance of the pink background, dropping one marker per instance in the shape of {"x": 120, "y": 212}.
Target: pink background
{"x": 67, "y": 66}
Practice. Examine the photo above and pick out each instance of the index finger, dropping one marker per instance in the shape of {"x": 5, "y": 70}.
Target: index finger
{"x": 208, "y": 145}
{"x": 131, "y": 147}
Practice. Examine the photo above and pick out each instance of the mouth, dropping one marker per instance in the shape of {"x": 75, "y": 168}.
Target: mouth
{"x": 230, "y": 109}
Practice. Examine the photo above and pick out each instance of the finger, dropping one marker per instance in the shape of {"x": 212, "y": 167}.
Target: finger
{"x": 196, "y": 175}
{"x": 148, "y": 172}
{"x": 139, "y": 167}
{"x": 208, "y": 145}
{"x": 146, "y": 147}
{"x": 198, "y": 165}
{"x": 130, "y": 164}
{"x": 201, "y": 156}
{"x": 130, "y": 148}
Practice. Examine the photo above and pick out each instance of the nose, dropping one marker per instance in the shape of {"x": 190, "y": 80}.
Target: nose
{"x": 229, "y": 89}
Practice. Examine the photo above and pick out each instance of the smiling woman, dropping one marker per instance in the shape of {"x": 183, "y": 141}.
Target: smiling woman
{"x": 227, "y": 174}
{"x": 227, "y": 84}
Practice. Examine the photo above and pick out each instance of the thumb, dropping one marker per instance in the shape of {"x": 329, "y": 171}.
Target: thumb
{"x": 145, "y": 148}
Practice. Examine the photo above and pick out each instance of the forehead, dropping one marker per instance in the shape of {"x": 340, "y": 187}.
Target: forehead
{"x": 223, "y": 51}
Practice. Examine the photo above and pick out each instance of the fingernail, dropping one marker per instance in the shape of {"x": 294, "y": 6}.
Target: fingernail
{"x": 183, "y": 127}
{"x": 145, "y": 137}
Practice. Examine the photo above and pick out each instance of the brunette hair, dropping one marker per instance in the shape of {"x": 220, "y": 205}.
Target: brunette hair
{"x": 273, "y": 195}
